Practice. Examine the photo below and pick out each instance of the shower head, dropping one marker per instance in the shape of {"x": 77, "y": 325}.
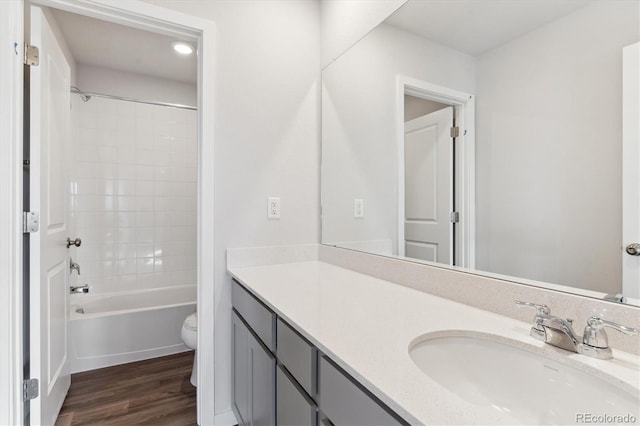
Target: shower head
{"x": 83, "y": 96}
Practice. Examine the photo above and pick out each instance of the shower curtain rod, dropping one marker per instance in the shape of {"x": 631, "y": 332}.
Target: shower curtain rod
{"x": 122, "y": 98}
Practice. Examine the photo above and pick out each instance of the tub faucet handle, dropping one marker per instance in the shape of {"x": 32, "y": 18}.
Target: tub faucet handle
{"x": 73, "y": 266}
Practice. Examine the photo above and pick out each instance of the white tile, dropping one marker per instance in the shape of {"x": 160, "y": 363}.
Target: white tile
{"x": 144, "y": 140}
{"x": 108, "y": 171}
{"x": 144, "y": 111}
{"x": 183, "y": 189}
{"x": 144, "y": 203}
{"x": 162, "y": 158}
{"x": 145, "y": 235}
{"x": 126, "y": 109}
{"x": 163, "y": 204}
{"x": 126, "y": 171}
{"x": 145, "y": 157}
{"x": 107, "y": 154}
{"x": 124, "y": 139}
{"x": 127, "y": 266}
{"x": 161, "y": 173}
{"x": 126, "y": 187}
{"x": 126, "y": 251}
{"x": 183, "y": 174}
{"x": 162, "y": 189}
{"x": 158, "y": 264}
{"x": 87, "y": 153}
{"x": 108, "y": 203}
{"x": 144, "y": 125}
{"x": 87, "y": 170}
{"x": 162, "y": 143}
{"x": 161, "y": 234}
{"x": 183, "y": 219}
{"x": 144, "y": 265}
{"x": 126, "y": 219}
{"x": 145, "y": 280}
{"x": 144, "y": 172}
{"x": 83, "y": 186}
{"x": 145, "y": 250}
{"x": 126, "y": 155}
{"x": 162, "y": 219}
{"x": 162, "y": 248}
{"x": 144, "y": 218}
{"x": 127, "y": 235}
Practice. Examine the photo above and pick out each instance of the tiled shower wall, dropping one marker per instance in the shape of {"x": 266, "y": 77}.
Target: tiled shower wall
{"x": 133, "y": 193}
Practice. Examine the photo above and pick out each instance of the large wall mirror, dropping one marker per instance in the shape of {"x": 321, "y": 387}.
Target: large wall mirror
{"x": 489, "y": 135}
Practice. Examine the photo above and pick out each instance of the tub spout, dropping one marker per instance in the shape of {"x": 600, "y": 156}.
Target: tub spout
{"x": 80, "y": 289}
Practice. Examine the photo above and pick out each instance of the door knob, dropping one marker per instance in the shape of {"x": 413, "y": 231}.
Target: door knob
{"x": 633, "y": 249}
{"x": 77, "y": 242}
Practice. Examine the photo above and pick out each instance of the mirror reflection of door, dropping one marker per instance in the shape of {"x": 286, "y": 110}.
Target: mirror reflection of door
{"x": 428, "y": 189}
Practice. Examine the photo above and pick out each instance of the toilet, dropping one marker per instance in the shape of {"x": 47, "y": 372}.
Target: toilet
{"x": 190, "y": 339}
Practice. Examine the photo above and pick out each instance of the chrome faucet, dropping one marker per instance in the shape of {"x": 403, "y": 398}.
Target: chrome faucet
{"x": 73, "y": 265}
{"x": 559, "y": 332}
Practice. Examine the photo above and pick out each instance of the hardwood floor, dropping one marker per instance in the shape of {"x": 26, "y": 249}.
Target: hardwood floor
{"x": 151, "y": 392}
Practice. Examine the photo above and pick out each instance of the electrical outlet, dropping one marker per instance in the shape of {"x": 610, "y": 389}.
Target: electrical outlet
{"x": 273, "y": 208}
{"x": 358, "y": 207}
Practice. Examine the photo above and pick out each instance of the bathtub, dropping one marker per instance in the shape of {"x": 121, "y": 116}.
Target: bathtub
{"x": 116, "y": 328}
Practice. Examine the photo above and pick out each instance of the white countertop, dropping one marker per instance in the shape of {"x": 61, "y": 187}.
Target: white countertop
{"x": 366, "y": 326}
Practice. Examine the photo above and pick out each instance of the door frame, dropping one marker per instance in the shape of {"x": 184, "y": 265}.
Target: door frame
{"x": 464, "y": 114}
{"x": 142, "y": 16}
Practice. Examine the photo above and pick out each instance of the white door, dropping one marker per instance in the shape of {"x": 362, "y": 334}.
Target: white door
{"x": 49, "y": 257}
{"x": 428, "y": 153}
{"x": 630, "y": 172}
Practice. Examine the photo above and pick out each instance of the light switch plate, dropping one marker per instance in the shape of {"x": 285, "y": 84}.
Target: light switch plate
{"x": 273, "y": 208}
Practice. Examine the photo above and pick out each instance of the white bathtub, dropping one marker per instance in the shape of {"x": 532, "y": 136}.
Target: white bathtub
{"x": 117, "y": 328}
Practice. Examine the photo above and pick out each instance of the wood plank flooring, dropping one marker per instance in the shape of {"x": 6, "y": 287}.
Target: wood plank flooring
{"x": 151, "y": 392}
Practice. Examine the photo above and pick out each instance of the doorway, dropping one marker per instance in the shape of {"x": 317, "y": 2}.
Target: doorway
{"x": 56, "y": 314}
{"x": 436, "y": 190}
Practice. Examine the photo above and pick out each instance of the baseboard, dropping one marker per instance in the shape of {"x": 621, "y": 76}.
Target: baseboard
{"x": 225, "y": 418}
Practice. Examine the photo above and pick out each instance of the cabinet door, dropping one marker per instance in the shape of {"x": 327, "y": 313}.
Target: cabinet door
{"x": 262, "y": 385}
{"x": 240, "y": 370}
{"x": 293, "y": 407}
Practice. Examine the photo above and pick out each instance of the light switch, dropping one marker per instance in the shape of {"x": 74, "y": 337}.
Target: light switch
{"x": 358, "y": 207}
{"x": 273, "y": 208}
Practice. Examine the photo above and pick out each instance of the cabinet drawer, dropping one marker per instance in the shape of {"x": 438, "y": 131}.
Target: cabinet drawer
{"x": 293, "y": 408}
{"x": 260, "y": 318}
{"x": 298, "y": 356}
{"x": 345, "y": 403}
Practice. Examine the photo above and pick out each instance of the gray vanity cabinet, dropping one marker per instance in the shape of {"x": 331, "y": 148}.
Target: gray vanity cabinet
{"x": 344, "y": 402}
{"x": 254, "y": 364}
{"x": 279, "y": 377}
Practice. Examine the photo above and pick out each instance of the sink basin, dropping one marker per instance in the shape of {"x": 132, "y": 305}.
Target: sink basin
{"x": 519, "y": 386}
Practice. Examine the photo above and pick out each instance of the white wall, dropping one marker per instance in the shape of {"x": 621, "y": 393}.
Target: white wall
{"x": 133, "y": 194}
{"x": 549, "y": 126}
{"x": 344, "y": 22}
{"x": 359, "y": 157}
{"x": 415, "y": 107}
{"x": 136, "y": 86}
{"x": 266, "y": 139}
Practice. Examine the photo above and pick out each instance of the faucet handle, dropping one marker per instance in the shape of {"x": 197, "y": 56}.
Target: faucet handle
{"x": 540, "y": 309}
{"x": 595, "y": 335}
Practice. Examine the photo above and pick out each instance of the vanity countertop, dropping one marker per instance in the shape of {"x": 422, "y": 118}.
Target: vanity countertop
{"x": 366, "y": 326}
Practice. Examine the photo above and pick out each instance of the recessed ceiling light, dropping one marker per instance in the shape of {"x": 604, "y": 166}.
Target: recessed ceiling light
{"x": 182, "y": 48}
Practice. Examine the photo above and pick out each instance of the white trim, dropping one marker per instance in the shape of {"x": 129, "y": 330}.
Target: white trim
{"x": 11, "y": 95}
{"x": 465, "y": 160}
{"x": 226, "y": 418}
{"x": 158, "y": 19}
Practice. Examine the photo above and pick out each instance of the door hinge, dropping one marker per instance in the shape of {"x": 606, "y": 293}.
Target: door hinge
{"x": 31, "y": 55}
{"x": 30, "y": 222}
{"x": 455, "y": 131}
{"x": 30, "y": 389}
{"x": 454, "y": 217}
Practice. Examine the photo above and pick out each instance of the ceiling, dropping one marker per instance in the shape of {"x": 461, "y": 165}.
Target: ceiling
{"x": 476, "y": 26}
{"x": 114, "y": 46}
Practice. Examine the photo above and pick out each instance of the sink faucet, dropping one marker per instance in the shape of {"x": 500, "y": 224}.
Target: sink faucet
{"x": 559, "y": 332}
